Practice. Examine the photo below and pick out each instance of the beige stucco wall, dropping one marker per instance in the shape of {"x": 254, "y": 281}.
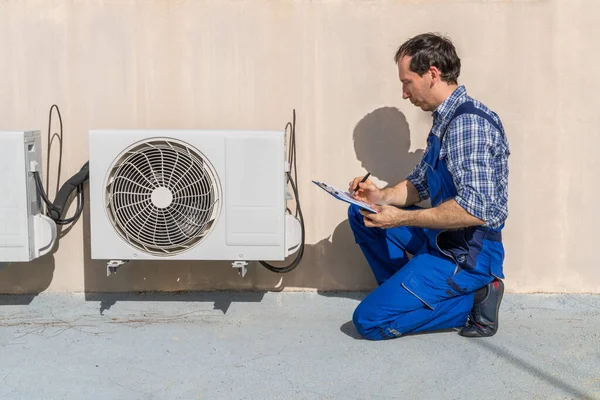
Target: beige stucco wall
{"x": 247, "y": 64}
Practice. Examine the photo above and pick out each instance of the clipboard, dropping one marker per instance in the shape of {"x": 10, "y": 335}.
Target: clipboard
{"x": 343, "y": 196}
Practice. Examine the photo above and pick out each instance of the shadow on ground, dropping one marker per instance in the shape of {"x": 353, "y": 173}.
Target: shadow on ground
{"x": 222, "y": 300}
{"x": 528, "y": 368}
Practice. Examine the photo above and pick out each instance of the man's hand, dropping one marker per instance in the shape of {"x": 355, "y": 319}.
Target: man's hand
{"x": 367, "y": 191}
{"x": 386, "y": 217}
{"x": 404, "y": 194}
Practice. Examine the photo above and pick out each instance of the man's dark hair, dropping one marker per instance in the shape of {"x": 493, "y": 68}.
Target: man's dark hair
{"x": 430, "y": 49}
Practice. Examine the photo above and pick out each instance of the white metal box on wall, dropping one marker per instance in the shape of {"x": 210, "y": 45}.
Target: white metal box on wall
{"x": 189, "y": 194}
{"x": 25, "y": 233}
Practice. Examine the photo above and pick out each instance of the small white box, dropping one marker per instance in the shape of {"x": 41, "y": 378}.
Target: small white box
{"x": 25, "y": 234}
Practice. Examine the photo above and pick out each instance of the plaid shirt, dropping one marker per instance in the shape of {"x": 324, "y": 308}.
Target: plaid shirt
{"x": 476, "y": 155}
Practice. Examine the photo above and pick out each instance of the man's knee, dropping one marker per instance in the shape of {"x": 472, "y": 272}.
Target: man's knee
{"x": 360, "y": 320}
{"x": 366, "y": 325}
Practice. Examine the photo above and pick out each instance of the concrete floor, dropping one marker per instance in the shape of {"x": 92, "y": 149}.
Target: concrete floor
{"x": 285, "y": 346}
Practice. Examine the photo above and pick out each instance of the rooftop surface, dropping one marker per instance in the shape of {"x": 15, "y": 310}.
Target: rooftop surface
{"x": 256, "y": 345}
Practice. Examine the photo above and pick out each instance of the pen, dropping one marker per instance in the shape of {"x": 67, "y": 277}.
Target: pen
{"x": 363, "y": 181}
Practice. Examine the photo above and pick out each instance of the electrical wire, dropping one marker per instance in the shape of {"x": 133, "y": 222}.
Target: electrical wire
{"x": 292, "y": 181}
{"x": 56, "y": 209}
{"x": 42, "y": 193}
{"x": 60, "y": 148}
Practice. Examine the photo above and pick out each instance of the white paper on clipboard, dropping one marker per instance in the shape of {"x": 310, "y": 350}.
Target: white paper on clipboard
{"x": 343, "y": 196}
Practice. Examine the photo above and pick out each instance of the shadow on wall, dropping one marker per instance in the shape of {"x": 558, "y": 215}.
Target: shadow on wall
{"x": 21, "y": 282}
{"x": 382, "y": 145}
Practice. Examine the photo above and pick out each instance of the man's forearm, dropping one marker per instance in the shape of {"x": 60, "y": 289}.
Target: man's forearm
{"x": 448, "y": 215}
{"x": 403, "y": 194}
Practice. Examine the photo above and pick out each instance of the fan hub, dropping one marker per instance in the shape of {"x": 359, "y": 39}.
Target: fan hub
{"x": 161, "y": 197}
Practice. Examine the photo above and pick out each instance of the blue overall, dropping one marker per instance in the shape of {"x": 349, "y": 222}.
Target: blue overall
{"x": 434, "y": 289}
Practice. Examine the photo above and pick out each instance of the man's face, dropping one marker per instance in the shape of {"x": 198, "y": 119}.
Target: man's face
{"x": 414, "y": 87}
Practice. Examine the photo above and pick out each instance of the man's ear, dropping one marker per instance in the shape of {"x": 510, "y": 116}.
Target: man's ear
{"x": 435, "y": 73}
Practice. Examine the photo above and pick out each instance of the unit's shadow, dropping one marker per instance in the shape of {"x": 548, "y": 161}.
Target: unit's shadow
{"x": 169, "y": 280}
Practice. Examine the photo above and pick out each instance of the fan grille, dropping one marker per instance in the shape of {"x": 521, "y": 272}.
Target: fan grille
{"x": 162, "y": 196}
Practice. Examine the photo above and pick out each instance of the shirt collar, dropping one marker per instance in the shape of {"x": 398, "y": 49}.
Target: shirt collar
{"x": 448, "y": 107}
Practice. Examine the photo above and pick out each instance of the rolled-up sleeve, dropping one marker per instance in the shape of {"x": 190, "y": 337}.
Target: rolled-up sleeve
{"x": 418, "y": 177}
{"x": 470, "y": 157}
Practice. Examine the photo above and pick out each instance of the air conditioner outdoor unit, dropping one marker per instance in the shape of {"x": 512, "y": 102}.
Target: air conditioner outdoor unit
{"x": 25, "y": 233}
{"x": 190, "y": 195}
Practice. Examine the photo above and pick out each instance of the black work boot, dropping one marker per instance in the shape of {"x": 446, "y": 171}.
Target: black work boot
{"x": 483, "y": 320}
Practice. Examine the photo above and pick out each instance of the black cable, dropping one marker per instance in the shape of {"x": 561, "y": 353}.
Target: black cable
{"x": 296, "y": 261}
{"x": 292, "y": 181}
{"x": 42, "y": 192}
{"x": 60, "y": 148}
{"x": 289, "y": 124}
{"x": 56, "y": 209}
{"x": 293, "y": 154}
{"x": 290, "y": 149}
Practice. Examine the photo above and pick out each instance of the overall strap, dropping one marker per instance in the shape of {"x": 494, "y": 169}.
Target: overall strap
{"x": 469, "y": 108}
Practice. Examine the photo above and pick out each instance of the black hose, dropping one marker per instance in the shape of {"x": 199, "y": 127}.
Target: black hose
{"x": 56, "y": 209}
{"x": 292, "y": 181}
